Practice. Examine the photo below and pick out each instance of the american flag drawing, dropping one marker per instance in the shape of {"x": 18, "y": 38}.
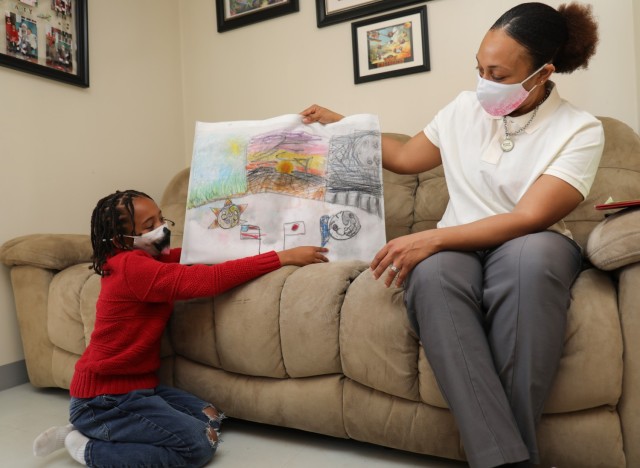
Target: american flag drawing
{"x": 251, "y": 232}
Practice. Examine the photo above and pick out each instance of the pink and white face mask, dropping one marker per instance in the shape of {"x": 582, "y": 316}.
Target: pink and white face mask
{"x": 500, "y": 99}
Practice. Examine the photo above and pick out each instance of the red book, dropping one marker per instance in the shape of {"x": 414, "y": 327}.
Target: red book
{"x": 617, "y": 205}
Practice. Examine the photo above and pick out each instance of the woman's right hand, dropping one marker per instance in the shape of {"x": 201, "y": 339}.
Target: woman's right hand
{"x": 316, "y": 113}
{"x": 301, "y": 256}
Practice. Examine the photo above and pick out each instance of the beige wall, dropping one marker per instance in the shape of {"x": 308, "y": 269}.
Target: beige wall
{"x": 63, "y": 147}
{"x": 636, "y": 27}
{"x": 157, "y": 66}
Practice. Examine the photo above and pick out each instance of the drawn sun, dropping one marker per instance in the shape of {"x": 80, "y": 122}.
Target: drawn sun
{"x": 284, "y": 167}
{"x": 228, "y": 216}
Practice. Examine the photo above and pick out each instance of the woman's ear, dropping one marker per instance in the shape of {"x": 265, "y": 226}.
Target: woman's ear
{"x": 546, "y": 72}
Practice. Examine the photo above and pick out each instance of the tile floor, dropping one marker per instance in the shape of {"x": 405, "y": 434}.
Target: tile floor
{"x": 25, "y": 411}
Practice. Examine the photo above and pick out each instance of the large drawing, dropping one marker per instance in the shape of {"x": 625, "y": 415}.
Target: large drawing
{"x": 278, "y": 183}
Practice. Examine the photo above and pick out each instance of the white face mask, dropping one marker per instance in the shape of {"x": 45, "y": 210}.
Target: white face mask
{"x": 500, "y": 99}
{"x": 155, "y": 242}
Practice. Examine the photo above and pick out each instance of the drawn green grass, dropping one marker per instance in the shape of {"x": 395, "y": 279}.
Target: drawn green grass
{"x": 206, "y": 193}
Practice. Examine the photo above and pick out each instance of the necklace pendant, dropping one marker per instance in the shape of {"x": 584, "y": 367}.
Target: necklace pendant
{"x": 507, "y": 145}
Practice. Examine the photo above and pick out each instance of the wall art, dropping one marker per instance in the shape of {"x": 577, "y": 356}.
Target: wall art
{"x": 232, "y": 14}
{"x": 391, "y": 45}
{"x": 330, "y": 12}
{"x": 47, "y": 38}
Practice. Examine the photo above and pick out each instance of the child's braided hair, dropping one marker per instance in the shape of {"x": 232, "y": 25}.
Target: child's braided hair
{"x": 109, "y": 220}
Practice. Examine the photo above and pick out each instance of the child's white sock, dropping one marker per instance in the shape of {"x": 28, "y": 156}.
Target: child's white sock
{"x": 76, "y": 443}
{"x": 51, "y": 440}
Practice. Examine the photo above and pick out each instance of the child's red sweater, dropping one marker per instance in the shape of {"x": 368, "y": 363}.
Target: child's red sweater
{"x": 135, "y": 302}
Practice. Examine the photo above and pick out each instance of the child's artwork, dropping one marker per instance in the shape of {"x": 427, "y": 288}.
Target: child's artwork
{"x": 275, "y": 184}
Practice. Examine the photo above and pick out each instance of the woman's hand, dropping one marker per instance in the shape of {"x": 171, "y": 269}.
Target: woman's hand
{"x": 319, "y": 114}
{"x": 301, "y": 256}
{"x": 399, "y": 256}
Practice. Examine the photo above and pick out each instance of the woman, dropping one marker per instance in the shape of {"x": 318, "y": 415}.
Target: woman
{"x": 488, "y": 290}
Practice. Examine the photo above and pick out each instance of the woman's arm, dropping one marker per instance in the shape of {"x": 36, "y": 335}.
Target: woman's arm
{"x": 548, "y": 201}
{"x": 415, "y": 156}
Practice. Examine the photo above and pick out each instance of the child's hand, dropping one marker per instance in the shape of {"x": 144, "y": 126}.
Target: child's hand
{"x": 301, "y": 256}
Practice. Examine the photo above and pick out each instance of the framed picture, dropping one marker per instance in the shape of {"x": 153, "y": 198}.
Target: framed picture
{"x": 47, "y": 38}
{"x": 330, "y": 12}
{"x": 233, "y": 14}
{"x": 391, "y": 45}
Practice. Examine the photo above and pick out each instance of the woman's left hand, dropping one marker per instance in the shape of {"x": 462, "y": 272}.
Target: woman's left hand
{"x": 399, "y": 256}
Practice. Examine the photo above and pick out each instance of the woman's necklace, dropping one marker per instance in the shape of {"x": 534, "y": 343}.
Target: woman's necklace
{"x": 508, "y": 144}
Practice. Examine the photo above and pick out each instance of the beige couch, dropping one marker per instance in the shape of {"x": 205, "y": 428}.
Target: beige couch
{"x": 327, "y": 349}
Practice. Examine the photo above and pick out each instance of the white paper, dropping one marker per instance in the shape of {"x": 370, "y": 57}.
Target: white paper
{"x": 275, "y": 184}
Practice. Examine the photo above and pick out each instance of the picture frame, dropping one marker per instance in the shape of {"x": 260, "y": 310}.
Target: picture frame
{"x": 232, "y": 14}
{"x": 330, "y": 12}
{"x": 48, "y": 38}
{"x": 391, "y": 45}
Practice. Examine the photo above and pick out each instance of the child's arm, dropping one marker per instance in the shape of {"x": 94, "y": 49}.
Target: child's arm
{"x": 153, "y": 281}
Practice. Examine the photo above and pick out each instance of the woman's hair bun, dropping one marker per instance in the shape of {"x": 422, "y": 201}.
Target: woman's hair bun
{"x": 582, "y": 38}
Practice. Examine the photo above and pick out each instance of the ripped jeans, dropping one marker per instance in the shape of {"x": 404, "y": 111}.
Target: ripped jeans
{"x": 160, "y": 427}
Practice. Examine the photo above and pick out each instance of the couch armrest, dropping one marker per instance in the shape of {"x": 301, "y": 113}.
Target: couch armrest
{"x": 50, "y": 251}
{"x": 615, "y": 241}
{"x": 629, "y": 405}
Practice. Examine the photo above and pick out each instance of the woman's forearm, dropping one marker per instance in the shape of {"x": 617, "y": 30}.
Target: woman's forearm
{"x": 482, "y": 234}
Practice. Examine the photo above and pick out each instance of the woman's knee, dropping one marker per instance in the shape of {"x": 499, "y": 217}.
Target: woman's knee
{"x": 456, "y": 270}
{"x": 438, "y": 278}
{"x": 545, "y": 256}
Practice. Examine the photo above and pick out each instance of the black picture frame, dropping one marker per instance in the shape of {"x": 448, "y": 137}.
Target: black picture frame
{"x": 388, "y": 55}
{"x": 66, "y": 57}
{"x": 369, "y": 7}
{"x": 262, "y": 13}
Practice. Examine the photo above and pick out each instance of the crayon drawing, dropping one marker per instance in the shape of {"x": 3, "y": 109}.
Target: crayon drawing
{"x": 278, "y": 183}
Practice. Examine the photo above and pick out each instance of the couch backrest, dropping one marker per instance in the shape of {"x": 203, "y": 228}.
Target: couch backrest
{"x": 417, "y": 202}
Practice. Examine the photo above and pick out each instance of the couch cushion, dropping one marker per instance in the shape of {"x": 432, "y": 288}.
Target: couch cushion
{"x": 618, "y": 177}
{"x": 377, "y": 345}
{"x": 192, "y": 330}
{"x": 432, "y": 197}
{"x": 590, "y": 373}
{"x": 310, "y": 310}
{"x": 72, "y": 303}
{"x": 51, "y": 251}
{"x": 312, "y": 404}
{"x": 247, "y": 326}
{"x": 615, "y": 242}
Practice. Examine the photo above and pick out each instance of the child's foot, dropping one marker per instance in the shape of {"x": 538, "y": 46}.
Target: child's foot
{"x": 76, "y": 443}
{"x": 51, "y": 440}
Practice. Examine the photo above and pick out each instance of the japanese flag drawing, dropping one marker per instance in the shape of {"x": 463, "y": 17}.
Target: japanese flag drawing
{"x": 296, "y": 228}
